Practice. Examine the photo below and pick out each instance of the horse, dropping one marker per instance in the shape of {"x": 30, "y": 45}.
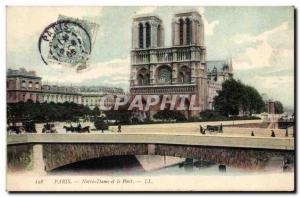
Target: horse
{"x": 84, "y": 129}
{"x": 13, "y": 129}
{"x": 29, "y": 127}
{"x": 77, "y": 129}
{"x": 49, "y": 128}
{"x": 71, "y": 128}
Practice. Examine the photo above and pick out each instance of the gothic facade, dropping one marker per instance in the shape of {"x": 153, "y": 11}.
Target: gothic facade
{"x": 178, "y": 69}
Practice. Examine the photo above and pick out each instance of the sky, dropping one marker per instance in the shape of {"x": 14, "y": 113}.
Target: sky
{"x": 260, "y": 41}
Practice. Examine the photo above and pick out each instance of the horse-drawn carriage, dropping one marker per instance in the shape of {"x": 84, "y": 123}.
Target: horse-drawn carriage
{"x": 22, "y": 127}
{"x": 217, "y": 128}
{"x": 77, "y": 129}
{"x": 49, "y": 128}
{"x": 212, "y": 129}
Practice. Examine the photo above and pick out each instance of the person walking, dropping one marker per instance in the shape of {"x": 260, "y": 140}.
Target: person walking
{"x": 201, "y": 129}
{"x": 221, "y": 128}
{"x": 273, "y": 133}
{"x": 119, "y": 128}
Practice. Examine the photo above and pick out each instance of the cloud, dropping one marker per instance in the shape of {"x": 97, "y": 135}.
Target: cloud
{"x": 273, "y": 48}
{"x": 283, "y": 31}
{"x": 115, "y": 71}
{"x": 268, "y": 64}
{"x": 209, "y": 27}
{"x": 276, "y": 87}
{"x": 146, "y": 10}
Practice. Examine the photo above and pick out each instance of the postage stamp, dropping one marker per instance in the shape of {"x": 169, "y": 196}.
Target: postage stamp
{"x": 67, "y": 41}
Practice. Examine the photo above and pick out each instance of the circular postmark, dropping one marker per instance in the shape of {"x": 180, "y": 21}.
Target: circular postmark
{"x": 65, "y": 42}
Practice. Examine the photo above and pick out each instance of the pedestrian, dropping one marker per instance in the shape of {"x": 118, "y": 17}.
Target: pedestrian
{"x": 119, "y": 128}
{"x": 252, "y": 133}
{"x": 201, "y": 129}
{"x": 221, "y": 128}
{"x": 286, "y": 132}
{"x": 273, "y": 134}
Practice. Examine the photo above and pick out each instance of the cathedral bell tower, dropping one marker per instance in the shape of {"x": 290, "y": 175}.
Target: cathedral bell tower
{"x": 188, "y": 35}
{"x": 187, "y": 29}
{"x": 147, "y": 32}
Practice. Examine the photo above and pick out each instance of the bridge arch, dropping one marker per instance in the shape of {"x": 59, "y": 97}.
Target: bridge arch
{"x": 58, "y": 155}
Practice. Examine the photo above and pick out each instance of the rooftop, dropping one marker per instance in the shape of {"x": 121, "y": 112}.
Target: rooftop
{"x": 191, "y": 13}
{"x": 22, "y": 72}
{"x": 218, "y": 64}
{"x": 145, "y": 18}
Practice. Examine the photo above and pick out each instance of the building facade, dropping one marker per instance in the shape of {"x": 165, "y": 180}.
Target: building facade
{"x": 217, "y": 72}
{"x": 179, "y": 69}
{"x": 92, "y": 95}
{"x": 270, "y": 106}
{"x": 24, "y": 85}
{"x": 60, "y": 94}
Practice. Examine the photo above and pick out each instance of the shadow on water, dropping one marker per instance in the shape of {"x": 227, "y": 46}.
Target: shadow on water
{"x": 20, "y": 157}
{"x": 126, "y": 164}
{"x": 129, "y": 165}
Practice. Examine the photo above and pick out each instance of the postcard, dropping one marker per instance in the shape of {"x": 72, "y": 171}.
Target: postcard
{"x": 153, "y": 98}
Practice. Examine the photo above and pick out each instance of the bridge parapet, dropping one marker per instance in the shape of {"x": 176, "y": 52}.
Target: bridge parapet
{"x": 280, "y": 143}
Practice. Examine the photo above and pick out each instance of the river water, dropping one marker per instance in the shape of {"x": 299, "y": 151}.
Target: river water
{"x": 23, "y": 164}
{"x": 23, "y": 158}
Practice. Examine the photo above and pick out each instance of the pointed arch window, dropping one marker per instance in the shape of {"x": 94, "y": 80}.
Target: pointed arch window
{"x": 158, "y": 35}
{"x": 143, "y": 77}
{"x": 188, "y": 31}
{"x": 184, "y": 75}
{"x": 148, "y": 35}
{"x": 141, "y": 36}
{"x": 180, "y": 31}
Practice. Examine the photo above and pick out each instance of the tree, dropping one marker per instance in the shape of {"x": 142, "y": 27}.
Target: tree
{"x": 168, "y": 115}
{"x": 278, "y": 107}
{"x": 44, "y": 112}
{"x": 100, "y": 124}
{"x": 254, "y": 100}
{"x": 96, "y": 111}
{"x": 235, "y": 97}
{"x": 230, "y": 99}
{"x": 121, "y": 116}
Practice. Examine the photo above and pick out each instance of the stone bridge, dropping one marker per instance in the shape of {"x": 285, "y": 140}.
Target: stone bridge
{"x": 56, "y": 150}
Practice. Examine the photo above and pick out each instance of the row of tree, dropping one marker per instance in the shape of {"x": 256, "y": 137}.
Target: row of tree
{"x": 43, "y": 112}
{"x": 236, "y": 97}
{"x": 67, "y": 111}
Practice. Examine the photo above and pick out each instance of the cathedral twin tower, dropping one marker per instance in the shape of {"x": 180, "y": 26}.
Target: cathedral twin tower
{"x": 187, "y": 29}
{"x": 178, "y": 69}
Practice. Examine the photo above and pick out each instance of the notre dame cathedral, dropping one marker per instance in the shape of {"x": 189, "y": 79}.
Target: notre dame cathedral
{"x": 178, "y": 69}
